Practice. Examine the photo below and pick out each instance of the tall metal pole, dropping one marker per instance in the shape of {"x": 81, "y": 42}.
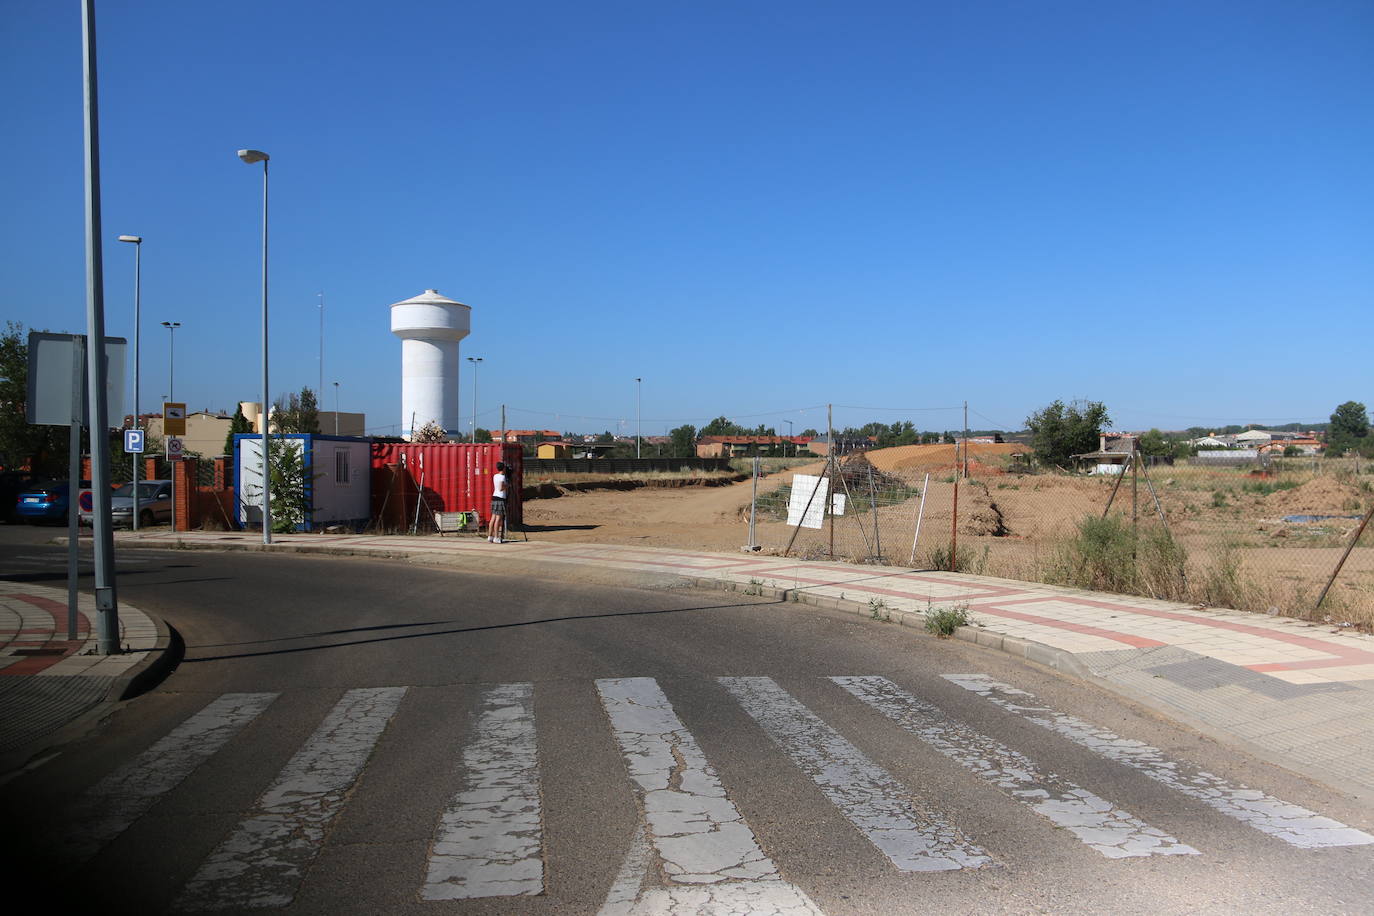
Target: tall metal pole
{"x": 266, "y": 466}
{"x": 251, "y": 156}
{"x": 106, "y": 598}
{"x": 171, "y": 327}
{"x": 639, "y": 400}
{"x": 321, "y": 388}
{"x": 336, "y": 408}
{"x": 137, "y": 242}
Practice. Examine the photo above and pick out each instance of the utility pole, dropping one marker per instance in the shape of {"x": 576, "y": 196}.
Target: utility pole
{"x": 106, "y": 598}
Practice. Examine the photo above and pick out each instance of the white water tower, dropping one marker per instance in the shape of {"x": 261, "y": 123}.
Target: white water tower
{"x": 430, "y": 326}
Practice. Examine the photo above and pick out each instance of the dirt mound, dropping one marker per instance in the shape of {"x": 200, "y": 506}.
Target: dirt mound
{"x": 904, "y": 457}
{"x": 1319, "y": 496}
{"x": 979, "y": 512}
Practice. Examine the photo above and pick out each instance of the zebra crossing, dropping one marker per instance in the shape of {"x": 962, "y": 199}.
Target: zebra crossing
{"x": 694, "y": 849}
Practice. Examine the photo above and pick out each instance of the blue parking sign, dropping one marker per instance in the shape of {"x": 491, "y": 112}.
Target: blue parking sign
{"x": 133, "y": 441}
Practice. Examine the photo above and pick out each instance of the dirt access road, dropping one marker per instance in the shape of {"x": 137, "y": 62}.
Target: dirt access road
{"x": 695, "y": 517}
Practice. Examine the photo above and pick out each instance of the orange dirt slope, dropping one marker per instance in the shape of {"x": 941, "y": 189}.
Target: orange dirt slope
{"x": 904, "y": 457}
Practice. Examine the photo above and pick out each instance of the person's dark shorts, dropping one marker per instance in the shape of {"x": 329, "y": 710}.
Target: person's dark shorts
{"x": 498, "y": 506}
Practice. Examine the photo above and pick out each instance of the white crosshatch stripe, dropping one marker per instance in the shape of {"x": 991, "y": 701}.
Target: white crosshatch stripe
{"x": 490, "y": 840}
{"x": 696, "y": 829}
{"x": 1096, "y": 822}
{"x": 108, "y": 808}
{"x": 913, "y": 835}
{"x": 710, "y": 858}
{"x": 1288, "y": 822}
{"x": 261, "y": 863}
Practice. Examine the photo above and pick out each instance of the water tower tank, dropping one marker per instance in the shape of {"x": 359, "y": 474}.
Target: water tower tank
{"x": 430, "y": 326}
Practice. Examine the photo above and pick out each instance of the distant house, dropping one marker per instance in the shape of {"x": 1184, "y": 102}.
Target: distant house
{"x": 1114, "y": 451}
{"x": 532, "y": 436}
{"x": 735, "y": 446}
{"x": 1305, "y": 446}
{"x": 205, "y": 432}
{"x": 1253, "y": 437}
{"x": 555, "y": 450}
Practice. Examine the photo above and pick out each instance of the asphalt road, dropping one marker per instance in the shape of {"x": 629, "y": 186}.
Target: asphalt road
{"x": 358, "y": 736}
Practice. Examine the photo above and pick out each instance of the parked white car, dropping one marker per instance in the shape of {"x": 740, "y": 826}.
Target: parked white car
{"x": 154, "y": 505}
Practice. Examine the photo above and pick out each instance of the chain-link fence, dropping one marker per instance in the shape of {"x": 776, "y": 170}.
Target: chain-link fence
{"x": 1268, "y": 539}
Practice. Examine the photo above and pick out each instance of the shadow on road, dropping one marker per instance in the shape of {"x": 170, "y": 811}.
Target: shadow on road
{"x": 449, "y": 632}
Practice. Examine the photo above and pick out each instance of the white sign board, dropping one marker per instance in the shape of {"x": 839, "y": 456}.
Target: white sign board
{"x": 837, "y": 504}
{"x": 807, "y": 489}
{"x": 53, "y": 373}
{"x": 175, "y": 448}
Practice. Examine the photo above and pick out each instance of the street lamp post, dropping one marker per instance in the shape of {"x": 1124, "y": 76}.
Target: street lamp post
{"x": 251, "y": 156}
{"x": 137, "y": 242}
{"x": 639, "y": 401}
{"x": 171, "y": 327}
{"x": 336, "y": 408}
{"x": 321, "y": 391}
{"x": 789, "y": 435}
{"x": 474, "y": 360}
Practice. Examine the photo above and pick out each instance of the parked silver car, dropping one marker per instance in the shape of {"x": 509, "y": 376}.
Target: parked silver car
{"x": 154, "y": 505}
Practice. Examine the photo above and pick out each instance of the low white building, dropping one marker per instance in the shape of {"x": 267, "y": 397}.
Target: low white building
{"x": 1253, "y": 437}
{"x": 338, "y": 471}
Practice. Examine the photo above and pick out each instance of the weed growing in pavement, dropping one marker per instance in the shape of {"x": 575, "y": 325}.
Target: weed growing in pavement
{"x": 943, "y": 621}
{"x": 939, "y": 557}
{"x": 877, "y": 609}
{"x": 755, "y": 587}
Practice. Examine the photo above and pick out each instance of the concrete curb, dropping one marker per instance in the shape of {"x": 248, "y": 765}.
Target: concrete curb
{"x": 160, "y": 660}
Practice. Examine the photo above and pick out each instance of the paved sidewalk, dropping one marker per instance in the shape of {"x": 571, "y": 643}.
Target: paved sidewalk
{"x": 48, "y": 683}
{"x": 1295, "y": 693}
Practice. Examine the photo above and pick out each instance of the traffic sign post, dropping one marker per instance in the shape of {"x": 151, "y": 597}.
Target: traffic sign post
{"x": 173, "y": 418}
{"x": 175, "y": 448}
{"x": 134, "y": 441}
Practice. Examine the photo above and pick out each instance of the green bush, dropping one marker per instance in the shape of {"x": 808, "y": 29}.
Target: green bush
{"x": 1107, "y": 555}
{"x": 1221, "y": 584}
{"x": 939, "y": 557}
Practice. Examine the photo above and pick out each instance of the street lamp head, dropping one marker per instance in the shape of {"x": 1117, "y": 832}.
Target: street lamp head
{"x": 171, "y": 324}
{"x": 136, "y": 239}
{"x": 251, "y": 156}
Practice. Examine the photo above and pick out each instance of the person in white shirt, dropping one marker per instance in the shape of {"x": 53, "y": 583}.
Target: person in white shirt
{"x": 496, "y": 529}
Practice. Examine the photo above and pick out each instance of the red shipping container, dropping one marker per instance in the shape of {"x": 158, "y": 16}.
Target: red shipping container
{"x": 445, "y": 476}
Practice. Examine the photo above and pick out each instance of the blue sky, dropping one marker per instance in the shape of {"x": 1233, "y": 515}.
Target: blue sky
{"x": 759, "y": 208}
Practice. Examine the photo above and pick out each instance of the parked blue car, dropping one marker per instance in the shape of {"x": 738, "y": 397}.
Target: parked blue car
{"x": 45, "y": 502}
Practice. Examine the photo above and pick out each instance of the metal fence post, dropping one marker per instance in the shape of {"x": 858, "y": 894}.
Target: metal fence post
{"x": 753, "y": 508}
